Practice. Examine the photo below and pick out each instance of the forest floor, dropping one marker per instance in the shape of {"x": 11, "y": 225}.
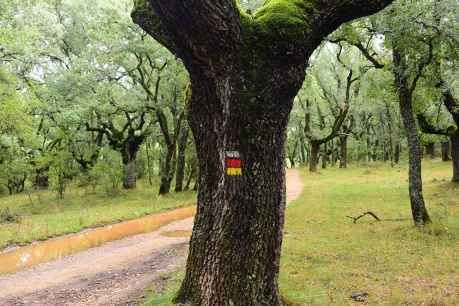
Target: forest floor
{"x": 327, "y": 258}
{"x": 40, "y": 215}
{"x": 115, "y": 273}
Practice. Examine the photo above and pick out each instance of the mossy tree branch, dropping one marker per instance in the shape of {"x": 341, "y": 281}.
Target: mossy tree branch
{"x": 305, "y": 23}
{"x": 194, "y": 29}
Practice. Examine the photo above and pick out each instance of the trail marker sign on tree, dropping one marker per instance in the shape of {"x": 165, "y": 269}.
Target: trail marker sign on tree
{"x": 233, "y": 163}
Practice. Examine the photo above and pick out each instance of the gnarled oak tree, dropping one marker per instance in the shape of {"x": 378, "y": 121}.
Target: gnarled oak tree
{"x": 245, "y": 71}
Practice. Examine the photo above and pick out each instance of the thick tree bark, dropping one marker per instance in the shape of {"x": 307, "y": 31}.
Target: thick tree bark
{"x": 314, "y": 156}
{"x": 343, "y": 151}
{"x": 245, "y": 72}
{"x": 180, "y": 172}
{"x": 455, "y": 156}
{"x": 418, "y": 208}
{"x": 229, "y": 206}
{"x": 445, "y": 151}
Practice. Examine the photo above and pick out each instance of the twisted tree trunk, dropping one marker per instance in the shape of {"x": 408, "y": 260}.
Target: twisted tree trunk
{"x": 418, "y": 208}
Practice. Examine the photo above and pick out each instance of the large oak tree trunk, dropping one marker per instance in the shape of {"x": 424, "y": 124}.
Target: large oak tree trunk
{"x": 228, "y": 223}
{"x": 245, "y": 72}
{"x": 455, "y": 156}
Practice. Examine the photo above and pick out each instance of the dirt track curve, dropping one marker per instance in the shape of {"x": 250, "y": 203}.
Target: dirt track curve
{"x": 115, "y": 273}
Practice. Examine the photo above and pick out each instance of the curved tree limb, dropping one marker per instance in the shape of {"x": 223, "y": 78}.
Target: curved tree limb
{"x": 192, "y": 29}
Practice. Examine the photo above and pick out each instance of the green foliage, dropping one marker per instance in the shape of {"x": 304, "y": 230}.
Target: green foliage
{"x": 62, "y": 171}
{"x": 7, "y": 216}
{"x": 108, "y": 173}
{"x": 15, "y": 164}
{"x": 284, "y": 18}
{"x": 13, "y": 119}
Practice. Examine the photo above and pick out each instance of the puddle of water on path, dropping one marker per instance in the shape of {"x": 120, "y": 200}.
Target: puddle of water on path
{"x": 32, "y": 255}
{"x": 176, "y": 234}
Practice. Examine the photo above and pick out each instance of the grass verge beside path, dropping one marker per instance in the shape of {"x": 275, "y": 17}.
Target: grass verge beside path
{"x": 326, "y": 257}
{"x": 45, "y": 216}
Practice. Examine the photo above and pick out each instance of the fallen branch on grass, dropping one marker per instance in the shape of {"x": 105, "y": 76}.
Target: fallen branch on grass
{"x": 368, "y": 213}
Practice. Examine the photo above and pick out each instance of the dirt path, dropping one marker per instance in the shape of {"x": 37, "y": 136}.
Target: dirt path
{"x": 115, "y": 273}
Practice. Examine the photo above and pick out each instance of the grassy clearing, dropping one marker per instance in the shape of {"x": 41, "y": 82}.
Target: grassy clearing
{"x": 42, "y": 215}
{"x": 326, "y": 257}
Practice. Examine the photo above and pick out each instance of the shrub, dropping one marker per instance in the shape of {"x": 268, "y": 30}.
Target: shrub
{"x": 108, "y": 172}
{"x": 7, "y": 216}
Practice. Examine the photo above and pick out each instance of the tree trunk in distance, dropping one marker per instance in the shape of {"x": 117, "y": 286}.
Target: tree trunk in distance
{"x": 445, "y": 151}
{"x": 41, "y": 179}
{"x": 130, "y": 174}
{"x": 180, "y": 173}
{"x": 430, "y": 149}
{"x": 314, "y": 156}
{"x": 129, "y": 156}
{"x": 167, "y": 173}
{"x": 343, "y": 152}
{"x": 455, "y": 156}
{"x": 418, "y": 208}
{"x": 397, "y": 153}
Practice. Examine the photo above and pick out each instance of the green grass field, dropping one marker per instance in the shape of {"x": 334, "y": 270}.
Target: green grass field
{"x": 43, "y": 216}
{"x": 326, "y": 257}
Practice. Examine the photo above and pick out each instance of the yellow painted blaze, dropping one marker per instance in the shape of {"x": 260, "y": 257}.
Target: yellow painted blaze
{"x": 234, "y": 171}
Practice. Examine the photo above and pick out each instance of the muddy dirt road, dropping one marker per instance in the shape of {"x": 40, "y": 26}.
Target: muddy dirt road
{"x": 115, "y": 273}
